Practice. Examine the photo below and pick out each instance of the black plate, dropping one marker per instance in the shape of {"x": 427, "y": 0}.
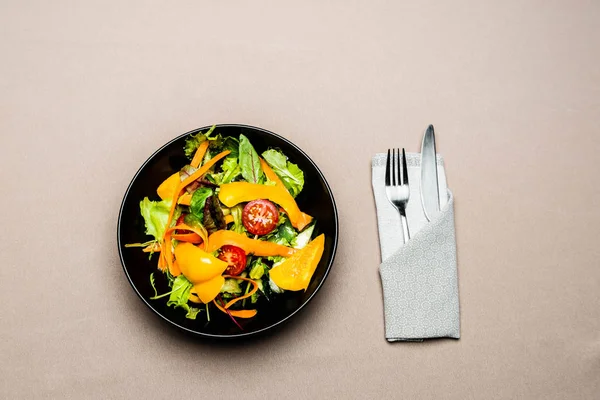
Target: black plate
{"x": 315, "y": 199}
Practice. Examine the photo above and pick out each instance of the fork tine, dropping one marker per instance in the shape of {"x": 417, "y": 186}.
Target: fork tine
{"x": 393, "y": 168}
{"x": 404, "y": 169}
{"x": 388, "y": 167}
{"x": 397, "y": 167}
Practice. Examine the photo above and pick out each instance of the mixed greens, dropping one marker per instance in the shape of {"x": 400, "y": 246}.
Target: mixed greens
{"x": 227, "y": 231}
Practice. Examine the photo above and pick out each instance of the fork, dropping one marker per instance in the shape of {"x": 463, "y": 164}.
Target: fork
{"x": 396, "y": 186}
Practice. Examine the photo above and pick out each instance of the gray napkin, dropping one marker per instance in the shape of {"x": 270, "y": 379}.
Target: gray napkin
{"x": 419, "y": 279}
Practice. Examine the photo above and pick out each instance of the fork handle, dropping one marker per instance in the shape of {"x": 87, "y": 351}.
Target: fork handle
{"x": 405, "y": 233}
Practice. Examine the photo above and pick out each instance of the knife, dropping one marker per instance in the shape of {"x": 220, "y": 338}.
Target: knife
{"x": 430, "y": 196}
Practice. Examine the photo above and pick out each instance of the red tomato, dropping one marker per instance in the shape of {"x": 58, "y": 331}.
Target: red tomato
{"x": 234, "y": 257}
{"x": 260, "y": 217}
{"x": 179, "y": 222}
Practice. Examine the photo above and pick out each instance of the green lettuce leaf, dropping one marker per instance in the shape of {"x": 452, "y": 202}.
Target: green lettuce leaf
{"x": 236, "y": 212}
{"x": 258, "y": 269}
{"x": 156, "y": 215}
{"x": 233, "y": 145}
{"x": 192, "y": 143}
{"x": 249, "y": 161}
{"x": 199, "y": 200}
{"x": 231, "y": 170}
{"x": 180, "y": 294}
{"x": 231, "y": 286}
{"x": 289, "y": 173}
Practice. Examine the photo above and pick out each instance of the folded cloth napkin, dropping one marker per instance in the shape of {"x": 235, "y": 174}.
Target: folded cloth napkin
{"x": 419, "y": 278}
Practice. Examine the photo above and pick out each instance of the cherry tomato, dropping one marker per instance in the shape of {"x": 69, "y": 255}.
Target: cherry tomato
{"x": 235, "y": 257}
{"x": 260, "y": 217}
{"x": 180, "y": 221}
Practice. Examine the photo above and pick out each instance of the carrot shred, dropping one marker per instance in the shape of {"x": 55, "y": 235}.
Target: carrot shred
{"x": 270, "y": 174}
{"x": 199, "y": 154}
{"x": 169, "y": 234}
{"x": 174, "y": 269}
{"x": 168, "y": 249}
{"x": 162, "y": 265}
{"x": 187, "y": 237}
{"x": 250, "y": 293}
{"x": 236, "y": 313}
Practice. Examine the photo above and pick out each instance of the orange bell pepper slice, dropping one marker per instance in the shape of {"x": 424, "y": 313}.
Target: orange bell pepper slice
{"x": 253, "y": 246}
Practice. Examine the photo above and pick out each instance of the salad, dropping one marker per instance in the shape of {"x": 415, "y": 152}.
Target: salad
{"x": 226, "y": 230}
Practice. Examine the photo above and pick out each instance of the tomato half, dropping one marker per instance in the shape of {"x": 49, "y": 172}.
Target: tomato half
{"x": 260, "y": 217}
{"x": 235, "y": 258}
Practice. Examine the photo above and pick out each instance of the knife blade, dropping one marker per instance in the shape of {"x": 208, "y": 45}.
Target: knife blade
{"x": 430, "y": 196}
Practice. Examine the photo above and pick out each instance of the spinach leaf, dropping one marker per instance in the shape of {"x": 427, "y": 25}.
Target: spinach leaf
{"x": 198, "y": 200}
{"x": 286, "y": 230}
{"x": 249, "y": 161}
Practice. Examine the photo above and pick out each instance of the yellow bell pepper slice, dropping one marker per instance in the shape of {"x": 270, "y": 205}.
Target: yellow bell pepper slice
{"x": 197, "y": 265}
{"x": 167, "y": 189}
{"x": 251, "y": 246}
{"x": 296, "y": 272}
{"x": 238, "y": 192}
{"x": 207, "y": 291}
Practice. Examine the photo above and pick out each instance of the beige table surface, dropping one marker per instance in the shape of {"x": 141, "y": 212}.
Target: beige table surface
{"x": 89, "y": 91}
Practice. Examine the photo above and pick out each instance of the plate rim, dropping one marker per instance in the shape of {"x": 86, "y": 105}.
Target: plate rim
{"x": 241, "y": 334}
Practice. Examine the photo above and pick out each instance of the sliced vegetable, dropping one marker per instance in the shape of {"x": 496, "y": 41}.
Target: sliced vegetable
{"x": 260, "y": 217}
{"x": 300, "y": 241}
{"x": 236, "y": 313}
{"x": 167, "y": 189}
{"x": 238, "y": 192}
{"x": 250, "y": 246}
{"x": 187, "y": 237}
{"x": 296, "y": 272}
{"x": 235, "y": 257}
{"x": 185, "y": 199}
{"x": 206, "y": 291}
{"x": 197, "y": 265}
{"x": 199, "y": 155}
